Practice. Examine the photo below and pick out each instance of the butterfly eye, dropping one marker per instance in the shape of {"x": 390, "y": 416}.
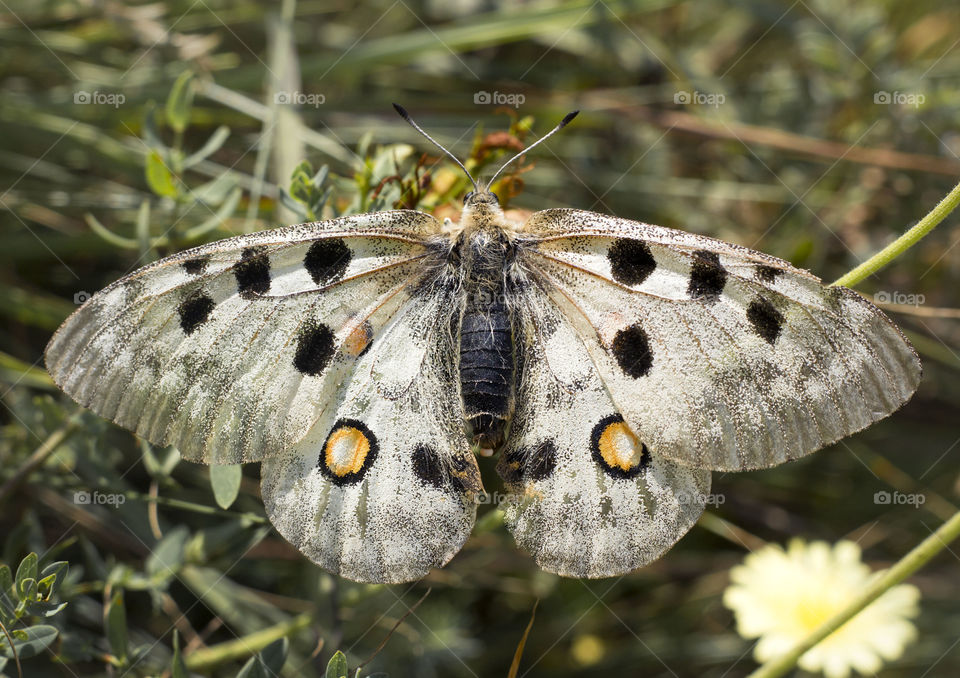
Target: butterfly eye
{"x": 495, "y": 197}
{"x": 467, "y": 197}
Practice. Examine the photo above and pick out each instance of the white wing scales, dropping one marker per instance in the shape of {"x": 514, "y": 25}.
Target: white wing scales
{"x": 577, "y": 514}
{"x": 718, "y": 356}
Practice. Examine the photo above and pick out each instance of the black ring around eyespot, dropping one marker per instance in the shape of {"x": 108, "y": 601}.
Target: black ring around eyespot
{"x": 354, "y": 476}
{"x": 616, "y": 471}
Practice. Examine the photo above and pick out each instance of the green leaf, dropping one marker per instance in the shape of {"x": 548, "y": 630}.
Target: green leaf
{"x": 178, "y": 669}
{"x": 151, "y": 134}
{"x": 217, "y": 218}
{"x": 337, "y": 667}
{"x": 26, "y": 571}
{"x": 254, "y": 668}
{"x": 214, "y": 192}
{"x": 268, "y": 662}
{"x": 225, "y": 481}
{"x": 179, "y": 102}
{"x": 7, "y": 603}
{"x": 43, "y": 609}
{"x": 274, "y": 655}
{"x": 53, "y": 575}
{"x": 291, "y": 204}
{"x": 212, "y": 145}
{"x": 143, "y": 227}
{"x": 168, "y": 556}
{"x": 116, "y": 618}
{"x": 30, "y": 641}
{"x": 107, "y": 234}
{"x": 159, "y": 177}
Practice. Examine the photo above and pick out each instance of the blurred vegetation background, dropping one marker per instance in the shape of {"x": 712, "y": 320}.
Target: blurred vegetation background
{"x": 815, "y": 131}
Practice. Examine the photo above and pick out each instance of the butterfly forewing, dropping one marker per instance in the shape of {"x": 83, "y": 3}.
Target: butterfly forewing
{"x": 229, "y": 350}
{"x": 718, "y": 356}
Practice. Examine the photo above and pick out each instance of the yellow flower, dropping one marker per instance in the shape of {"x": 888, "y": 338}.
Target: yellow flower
{"x": 781, "y": 596}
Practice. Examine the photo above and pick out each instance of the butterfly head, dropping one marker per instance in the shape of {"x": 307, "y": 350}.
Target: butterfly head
{"x": 481, "y": 208}
{"x": 481, "y": 197}
{"x": 482, "y": 201}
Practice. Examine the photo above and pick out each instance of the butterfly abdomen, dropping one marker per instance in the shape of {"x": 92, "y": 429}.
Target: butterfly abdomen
{"x": 486, "y": 347}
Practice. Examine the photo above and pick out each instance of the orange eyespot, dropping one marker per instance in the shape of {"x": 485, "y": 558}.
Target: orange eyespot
{"x": 617, "y": 449}
{"x": 346, "y": 451}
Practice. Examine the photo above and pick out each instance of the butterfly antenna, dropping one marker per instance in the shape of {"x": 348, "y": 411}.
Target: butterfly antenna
{"x": 406, "y": 116}
{"x": 563, "y": 123}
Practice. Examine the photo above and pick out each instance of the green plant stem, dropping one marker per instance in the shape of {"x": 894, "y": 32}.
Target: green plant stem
{"x": 904, "y": 242}
{"x": 244, "y": 647}
{"x": 910, "y": 563}
{"x": 196, "y": 508}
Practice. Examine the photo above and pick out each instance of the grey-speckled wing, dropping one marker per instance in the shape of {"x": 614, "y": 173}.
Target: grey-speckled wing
{"x": 231, "y": 351}
{"x": 588, "y": 497}
{"x": 383, "y": 487}
{"x": 718, "y": 356}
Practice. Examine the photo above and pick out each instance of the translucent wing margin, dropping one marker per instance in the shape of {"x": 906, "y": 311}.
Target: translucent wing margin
{"x": 718, "y": 356}
{"x": 230, "y": 350}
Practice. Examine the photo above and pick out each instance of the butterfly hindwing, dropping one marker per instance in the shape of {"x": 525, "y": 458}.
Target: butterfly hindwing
{"x": 587, "y": 497}
{"x": 383, "y": 487}
{"x": 228, "y": 350}
{"x": 720, "y": 357}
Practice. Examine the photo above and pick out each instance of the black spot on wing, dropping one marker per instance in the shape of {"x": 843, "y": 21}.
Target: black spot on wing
{"x": 195, "y": 310}
{"x": 767, "y": 274}
{"x": 529, "y": 463}
{"x": 427, "y": 465}
{"x": 196, "y": 266}
{"x": 707, "y": 277}
{"x": 631, "y": 348}
{"x": 253, "y": 273}
{"x": 314, "y": 349}
{"x": 630, "y": 261}
{"x": 542, "y": 461}
{"x": 327, "y": 260}
{"x": 767, "y": 321}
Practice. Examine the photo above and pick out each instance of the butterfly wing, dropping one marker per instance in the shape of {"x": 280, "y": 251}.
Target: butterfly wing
{"x": 383, "y": 487}
{"x": 587, "y": 497}
{"x": 230, "y": 351}
{"x": 718, "y": 356}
